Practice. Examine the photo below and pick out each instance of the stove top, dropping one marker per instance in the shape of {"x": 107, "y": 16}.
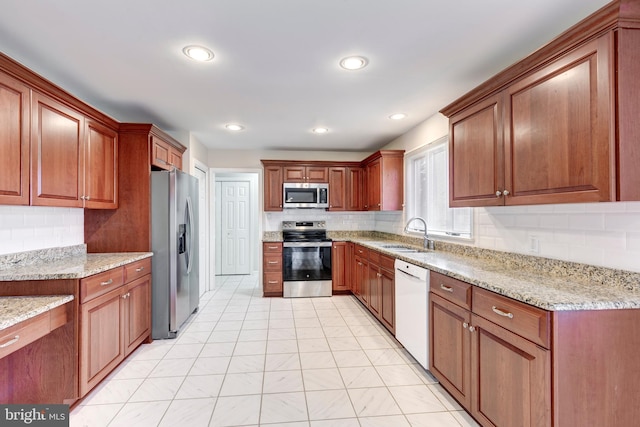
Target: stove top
{"x": 304, "y": 231}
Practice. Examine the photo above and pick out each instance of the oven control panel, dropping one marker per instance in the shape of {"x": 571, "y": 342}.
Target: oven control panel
{"x": 304, "y": 225}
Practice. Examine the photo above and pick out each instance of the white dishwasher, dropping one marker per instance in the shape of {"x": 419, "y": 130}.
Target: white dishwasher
{"x": 412, "y": 310}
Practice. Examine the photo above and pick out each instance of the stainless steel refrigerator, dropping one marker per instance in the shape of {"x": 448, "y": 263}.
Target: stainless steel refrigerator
{"x": 174, "y": 242}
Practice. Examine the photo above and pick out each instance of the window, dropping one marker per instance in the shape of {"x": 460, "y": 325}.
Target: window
{"x": 428, "y": 193}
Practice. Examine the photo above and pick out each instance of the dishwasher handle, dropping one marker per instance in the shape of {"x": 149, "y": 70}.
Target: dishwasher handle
{"x": 408, "y": 274}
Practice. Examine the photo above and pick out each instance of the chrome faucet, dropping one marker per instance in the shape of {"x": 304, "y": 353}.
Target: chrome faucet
{"x": 428, "y": 243}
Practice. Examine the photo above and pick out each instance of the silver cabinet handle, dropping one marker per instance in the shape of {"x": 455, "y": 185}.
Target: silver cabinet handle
{"x": 498, "y": 193}
{"x": 506, "y": 193}
{"x": 272, "y": 282}
{"x": 379, "y": 275}
{"x": 272, "y": 247}
{"x": 107, "y": 283}
{"x": 446, "y": 288}
{"x": 139, "y": 269}
{"x": 272, "y": 262}
{"x": 472, "y": 329}
{"x": 12, "y": 341}
{"x": 503, "y": 313}
{"x": 465, "y": 325}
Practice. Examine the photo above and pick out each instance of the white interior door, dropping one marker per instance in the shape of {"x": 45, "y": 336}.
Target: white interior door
{"x": 203, "y": 229}
{"x": 236, "y": 226}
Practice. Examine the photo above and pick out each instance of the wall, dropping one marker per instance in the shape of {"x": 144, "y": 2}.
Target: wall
{"x": 26, "y": 228}
{"x": 603, "y": 234}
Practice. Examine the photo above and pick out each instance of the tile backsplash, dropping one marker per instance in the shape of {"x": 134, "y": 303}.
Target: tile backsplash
{"x": 26, "y": 228}
{"x": 338, "y": 221}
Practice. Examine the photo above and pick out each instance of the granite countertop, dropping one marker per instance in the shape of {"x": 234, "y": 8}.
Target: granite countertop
{"x": 14, "y": 310}
{"x": 76, "y": 266}
{"x": 553, "y": 289}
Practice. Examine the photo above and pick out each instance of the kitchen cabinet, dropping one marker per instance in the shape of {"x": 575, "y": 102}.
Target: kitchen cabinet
{"x": 374, "y": 284}
{"x": 74, "y": 159}
{"x": 115, "y": 317}
{"x": 272, "y": 269}
{"x": 384, "y": 180}
{"x": 306, "y": 174}
{"x": 556, "y": 127}
{"x": 273, "y": 188}
{"x": 354, "y": 189}
{"x": 14, "y": 141}
{"x": 337, "y": 188}
{"x": 128, "y": 229}
{"x": 483, "y": 343}
{"x": 165, "y": 155}
{"x": 341, "y": 266}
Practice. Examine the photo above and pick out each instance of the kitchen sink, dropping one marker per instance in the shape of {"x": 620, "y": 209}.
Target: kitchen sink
{"x": 399, "y": 248}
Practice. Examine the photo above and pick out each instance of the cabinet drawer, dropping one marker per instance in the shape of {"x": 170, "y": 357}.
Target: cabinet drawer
{"x": 527, "y": 321}
{"x": 272, "y": 282}
{"x": 361, "y": 251}
{"x": 137, "y": 269}
{"x": 387, "y": 262}
{"x": 453, "y": 290}
{"x": 374, "y": 257}
{"x": 18, "y": 336}
{"x": 272, "y": 263}
{"x": 272, "y": 247}
{"x": 100, "y": 284}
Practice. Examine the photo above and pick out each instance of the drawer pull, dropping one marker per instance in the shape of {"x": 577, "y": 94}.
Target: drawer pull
{"x": 107, "y": 283}
{"x": 273, "y": 262}
{"x": 446, "y": 288}
{"x": 139, "y": 269}
{"x": 272, "y": 282}
{"x": 12, "y": 341}
{"x": 272, "y": 247}
{"x": 496, "y": 310}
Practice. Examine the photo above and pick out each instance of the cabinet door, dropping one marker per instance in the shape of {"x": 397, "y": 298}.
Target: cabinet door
{"x": 374, "y": 289}
{"x": 557, "y": 134}
{"x": 160, "y": 153}
{"x": 101, "y": 167}
{"x": 449, "y": 348}
{"x": 57, "y": 157}
{"x": 101, "y": 344}
{"x": 354, "y": 190}
{"x": 337, "y": 189}
{"x": 295, "y": 173}
{"x": 374, "y": 201}
{"x": 339, "y": 266}
{"x": 175, "y": 158}
{"x": 476, "y": 164}
{"x": 14, "y": 142}
{"x": 362, "y": 279}
{"x": 511, "y": 378}
{"x": 317, "y": 174}
{"x": 387, "y": 299}
{"x": 137, "y": 313}
{"x": 273, "y": 188}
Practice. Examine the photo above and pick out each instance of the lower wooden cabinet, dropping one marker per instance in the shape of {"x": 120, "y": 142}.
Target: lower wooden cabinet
{"x": 112, "y": 324}
{"x": 341, "y": 266}
{"x": 272, "y": 269}
{"x": 501, "y": 378}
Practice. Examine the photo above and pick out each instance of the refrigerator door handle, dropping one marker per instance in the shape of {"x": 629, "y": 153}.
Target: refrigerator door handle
{"x": 189, "y": 221}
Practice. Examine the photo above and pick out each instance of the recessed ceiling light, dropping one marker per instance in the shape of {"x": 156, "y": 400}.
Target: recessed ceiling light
{"x": 199, "y": 53}
{"x": 397, "y": 116}
{"x": 354, "y": 62}
{"x": 320, "y": 130}
{"x": 234, "y": 127}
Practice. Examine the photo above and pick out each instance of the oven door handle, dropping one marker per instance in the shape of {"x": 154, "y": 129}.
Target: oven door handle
{"x": 307, "y": 244}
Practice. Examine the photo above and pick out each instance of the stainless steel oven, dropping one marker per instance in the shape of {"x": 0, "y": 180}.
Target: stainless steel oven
{"x": 306, "y": 259}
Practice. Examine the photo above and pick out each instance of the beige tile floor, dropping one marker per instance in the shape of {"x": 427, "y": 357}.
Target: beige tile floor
{"x": 244, "y": 360}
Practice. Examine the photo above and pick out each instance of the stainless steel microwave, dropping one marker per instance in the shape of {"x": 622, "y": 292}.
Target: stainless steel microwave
{"x": 303, "y": 195}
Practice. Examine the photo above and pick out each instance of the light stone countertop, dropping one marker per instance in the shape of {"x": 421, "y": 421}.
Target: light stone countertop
{"x": 14, "y": 310}
{"x": 77, "y": 266}
{"x": 547, "y": 290}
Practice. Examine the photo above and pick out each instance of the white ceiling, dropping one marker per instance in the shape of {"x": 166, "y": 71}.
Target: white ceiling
{"x": 276, "y": 69}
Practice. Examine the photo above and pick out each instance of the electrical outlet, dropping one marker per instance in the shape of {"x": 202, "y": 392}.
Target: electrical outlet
{"x": 534, "y": 245}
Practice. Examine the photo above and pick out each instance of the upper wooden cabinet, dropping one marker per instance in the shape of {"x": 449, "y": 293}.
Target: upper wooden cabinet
{"x": 57, "y": 154}
{"x": 373, "y": 184}
{"x": 306, "y": 173}
{"x": 14, "y": 141}
{"x": 54, "y": 149}
{"x": 165, "y": 155}
{"x": 558, "y": 127}
{"x": 384, "y": 180}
